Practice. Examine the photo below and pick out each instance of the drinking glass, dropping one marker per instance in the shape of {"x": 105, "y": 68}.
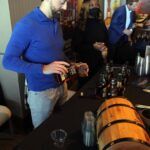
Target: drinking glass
{"x": 141, "y": 67}
{"x": 59, "y": 136}
{"x": 88, "y": 129}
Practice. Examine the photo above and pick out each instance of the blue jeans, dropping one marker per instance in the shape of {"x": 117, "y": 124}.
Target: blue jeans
{"x": 42, "y": 103}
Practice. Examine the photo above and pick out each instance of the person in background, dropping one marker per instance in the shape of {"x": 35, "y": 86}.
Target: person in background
{"x": 120, "y": 30}
{"x": 143, "y": 7}
{"x": 36, "y": 49}
{"x": 90, "y": 38}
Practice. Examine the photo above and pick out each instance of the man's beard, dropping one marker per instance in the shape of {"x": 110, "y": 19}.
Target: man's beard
{"x": 55, "y": 13}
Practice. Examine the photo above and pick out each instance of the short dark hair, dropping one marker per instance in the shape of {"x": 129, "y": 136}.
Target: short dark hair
{"x": 42, "y": 0}
{"x": 131, "y": 1}
{"x": 86, "y": 1}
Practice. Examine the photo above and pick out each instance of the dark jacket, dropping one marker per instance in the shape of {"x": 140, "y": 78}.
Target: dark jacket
{"x": 95, "y": 31}
{"x": 118, "y": 23}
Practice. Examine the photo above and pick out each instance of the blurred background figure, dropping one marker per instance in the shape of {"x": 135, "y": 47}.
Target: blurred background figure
{"x": 143, "y": 6}
{"x": 90, "y": 37}
{"x": 120, "y": 31}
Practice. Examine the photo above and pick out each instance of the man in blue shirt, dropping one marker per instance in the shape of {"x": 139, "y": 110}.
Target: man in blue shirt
{"x": 36, "y": 49}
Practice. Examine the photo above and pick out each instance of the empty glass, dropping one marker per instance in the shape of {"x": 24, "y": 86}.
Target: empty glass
{"x": 59, "y": 136}
{"x": 141, "y": 67}
{"x": 88, "y": 129}
{"x": 147, "y": 52}
{"x": 147, "y": 65}
{"x": 137, "y": 62}
{"x": 147, "y": 60}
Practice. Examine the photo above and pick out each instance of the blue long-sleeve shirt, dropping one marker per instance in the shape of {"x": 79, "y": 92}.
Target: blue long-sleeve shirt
{"x": 36, "y": 40}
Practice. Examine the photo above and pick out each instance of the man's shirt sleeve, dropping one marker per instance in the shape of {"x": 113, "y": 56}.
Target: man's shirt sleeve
{"x": 18, "y": 44}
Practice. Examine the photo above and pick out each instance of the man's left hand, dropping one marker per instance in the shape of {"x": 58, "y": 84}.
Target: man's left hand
{"x": 128, "y": 32}
{"x": 83, "y": 69}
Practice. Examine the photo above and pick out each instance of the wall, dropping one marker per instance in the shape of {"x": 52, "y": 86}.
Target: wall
{"x": 19, "y": 8}
{"x": 10, "y": 12}
{"x": 5, "y": 25}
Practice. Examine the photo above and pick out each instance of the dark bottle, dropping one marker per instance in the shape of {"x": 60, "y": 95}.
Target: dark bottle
{"x": 104, "y": 92}
{"x": 101, "y": 89}
{"x": 120, "y": 86}
{"x": 108, "y": 73}
{"x": 60, "y": 78}
{"x": 111, "y": 63}
{"x": 125, "y": 74}
{"x": 108, "y": 68}
{"x": 72, "y": 73}
{"x": 113, "y": 91}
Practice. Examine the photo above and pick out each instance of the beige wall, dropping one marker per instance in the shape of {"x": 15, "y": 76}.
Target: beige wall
{"x": 10, "y": 12}
{"x": 19, "y": 8}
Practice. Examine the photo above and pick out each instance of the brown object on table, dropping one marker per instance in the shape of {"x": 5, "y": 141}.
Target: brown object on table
{"x": 119, "y": 126}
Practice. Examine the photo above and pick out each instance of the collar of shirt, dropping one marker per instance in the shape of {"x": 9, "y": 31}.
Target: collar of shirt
{"x": 42, "y": 17}
{"x": 128, "y": 18}
{"x": 127, "y": 9}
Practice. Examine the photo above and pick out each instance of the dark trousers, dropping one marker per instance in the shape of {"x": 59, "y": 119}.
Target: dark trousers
{"x": 122, "y": 52}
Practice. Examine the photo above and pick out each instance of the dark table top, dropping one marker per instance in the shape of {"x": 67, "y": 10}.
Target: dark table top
{"x": 70, "y": 116}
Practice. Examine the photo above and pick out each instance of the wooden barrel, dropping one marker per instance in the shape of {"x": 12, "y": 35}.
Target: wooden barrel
{"x": 119, "y": 127}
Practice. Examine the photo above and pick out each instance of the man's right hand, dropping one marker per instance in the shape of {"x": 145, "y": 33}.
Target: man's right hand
{"x": 128, "y": 32}
{"x": 59, "y": 67}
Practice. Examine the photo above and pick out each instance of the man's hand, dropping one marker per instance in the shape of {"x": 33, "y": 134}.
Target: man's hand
{"x": 59, "y": 67}
{"x": 104, "y": 54}
{"x": 99, "y": 46}
{"x": 102, "y": 48}
{"x": 83, "y": 69}
{"x": 128, "y": 32}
